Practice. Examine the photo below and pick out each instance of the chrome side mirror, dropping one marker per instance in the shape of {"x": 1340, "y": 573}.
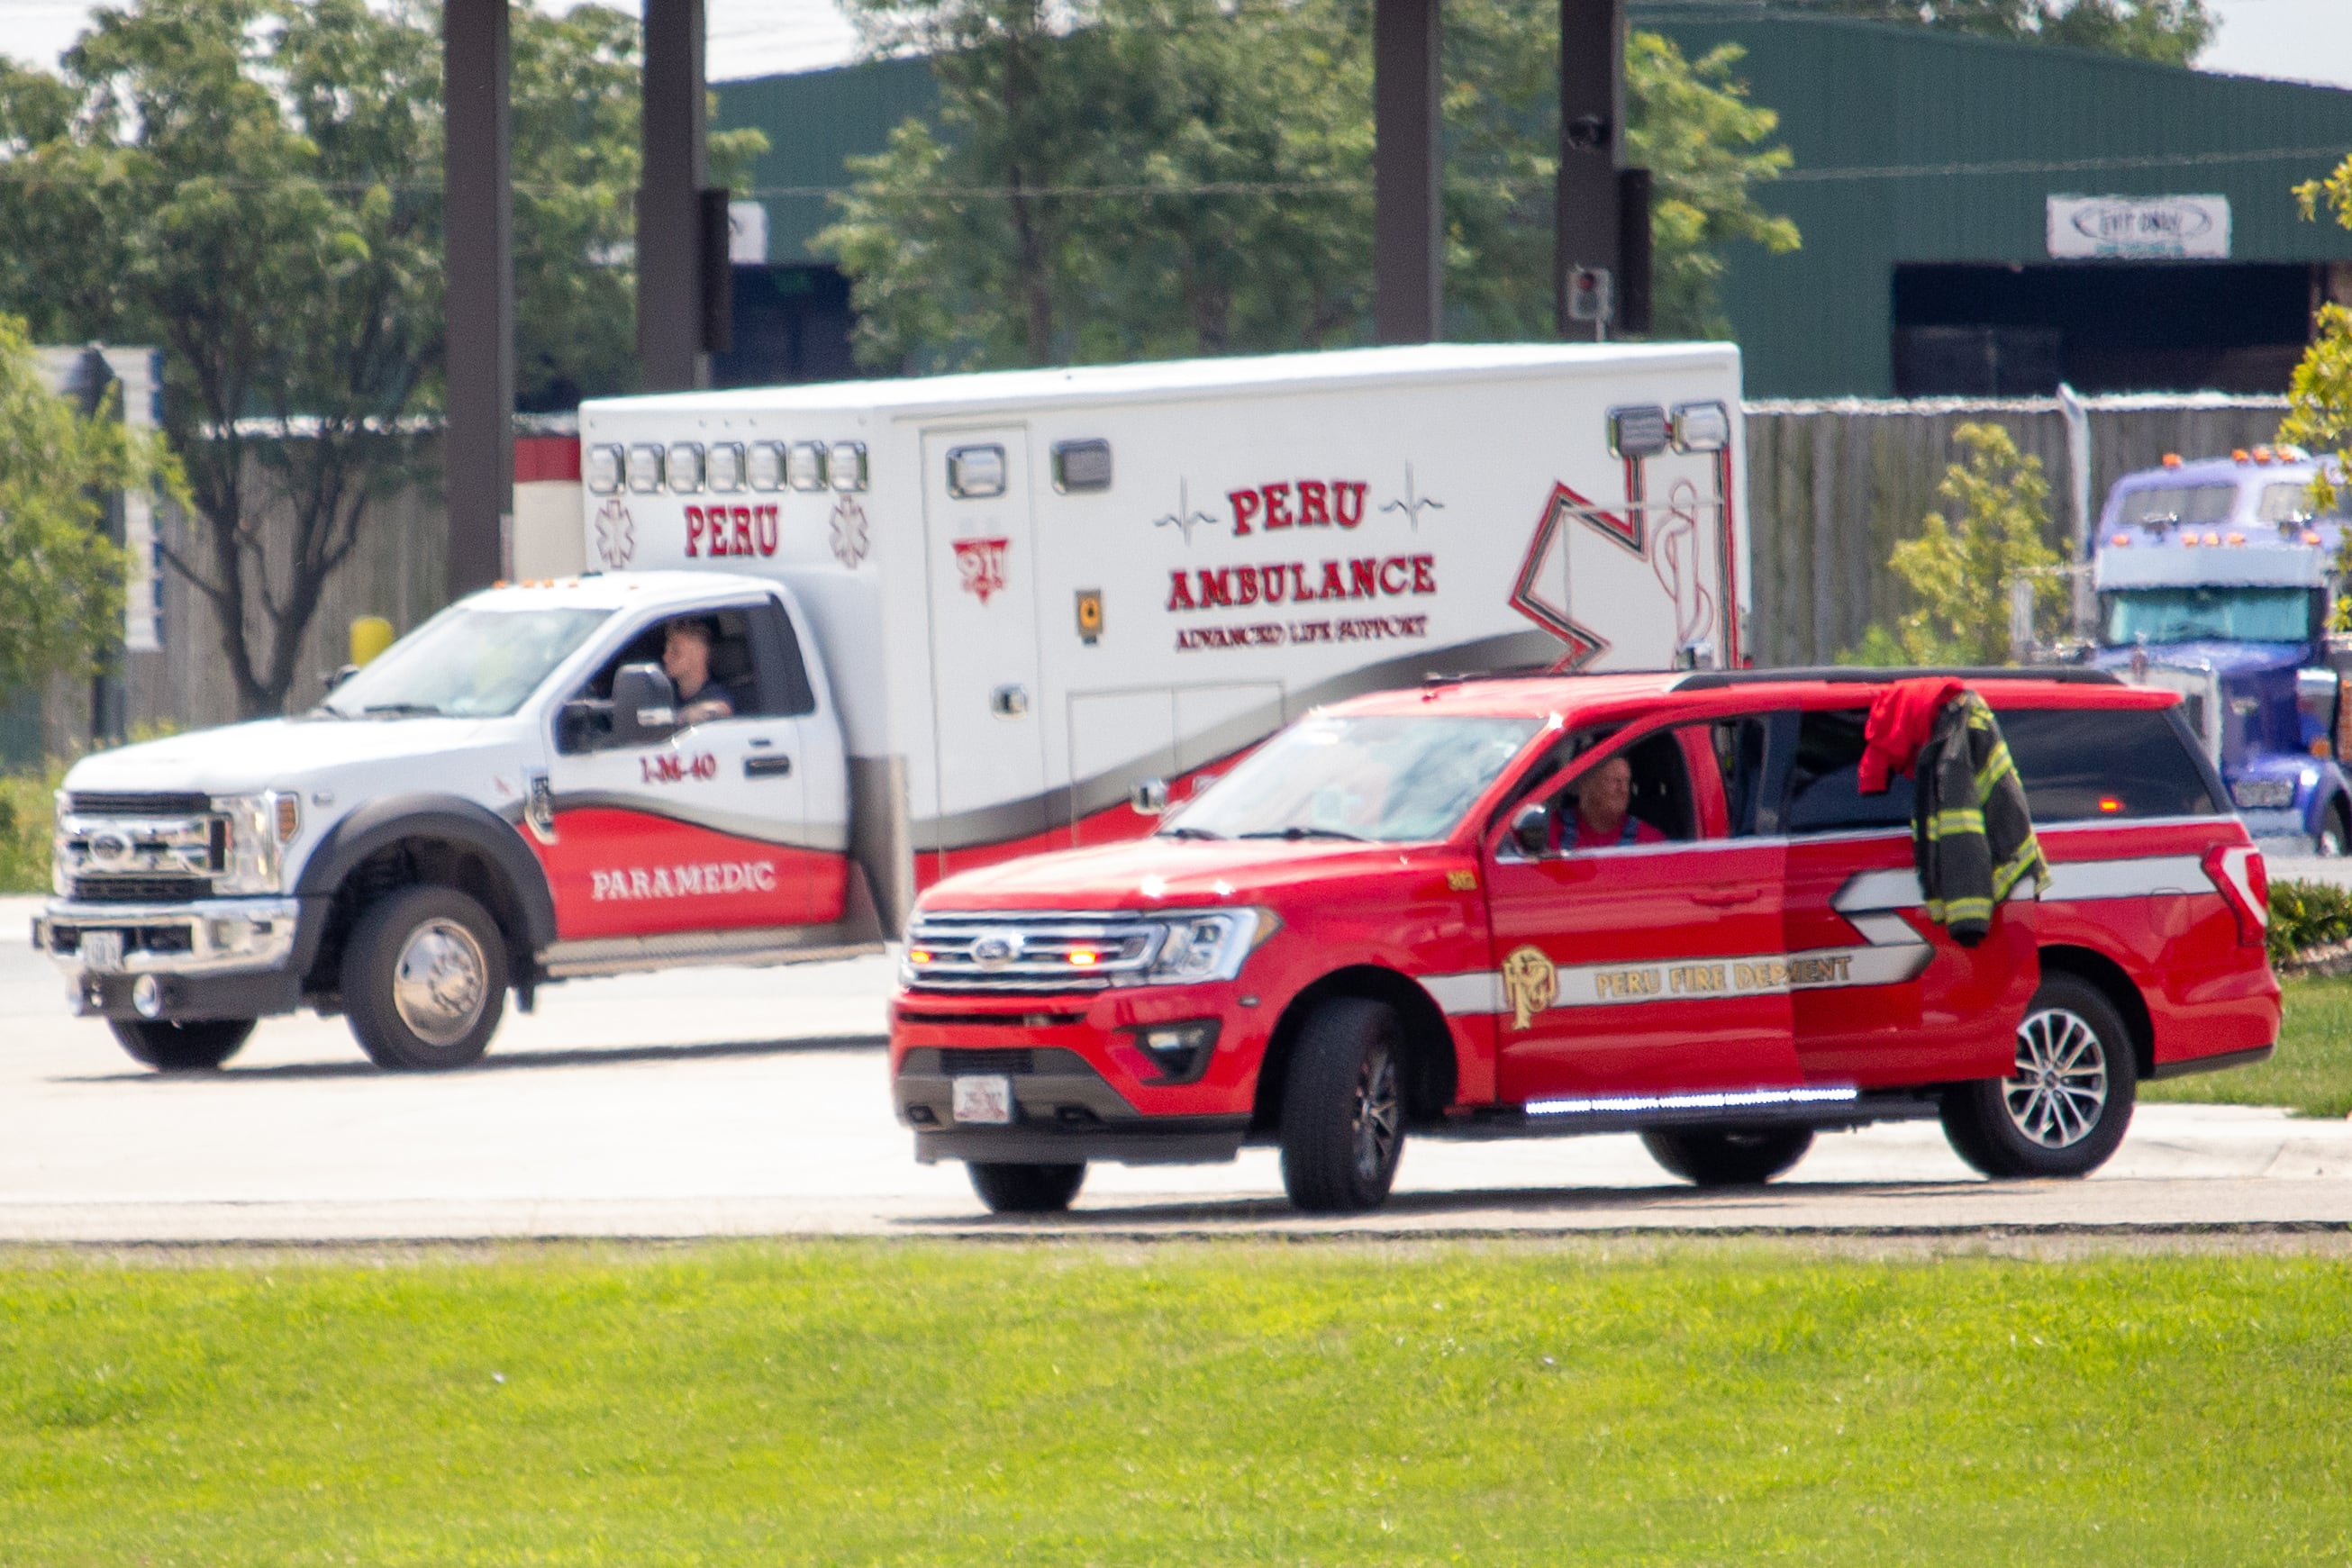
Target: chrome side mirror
{"x": 1150, "y": 797}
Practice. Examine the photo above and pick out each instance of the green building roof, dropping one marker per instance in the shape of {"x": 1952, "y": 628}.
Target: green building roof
{"x": 1912, "y": 148}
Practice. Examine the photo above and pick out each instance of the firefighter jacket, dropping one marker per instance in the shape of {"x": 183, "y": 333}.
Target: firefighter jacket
{"x": 1970, "y": 833}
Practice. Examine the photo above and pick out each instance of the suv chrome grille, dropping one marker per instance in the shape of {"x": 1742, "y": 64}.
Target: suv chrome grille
{"x": 984, "y": 951}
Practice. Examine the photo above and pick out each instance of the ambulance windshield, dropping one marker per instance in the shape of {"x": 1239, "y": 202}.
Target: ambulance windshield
{"x": 465, "y": 663}
{"x": 2218, "y": 614}
{"x": 1382, "y": 780}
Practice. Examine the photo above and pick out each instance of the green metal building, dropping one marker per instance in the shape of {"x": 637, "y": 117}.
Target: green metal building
{"x": 1947, "y": 187}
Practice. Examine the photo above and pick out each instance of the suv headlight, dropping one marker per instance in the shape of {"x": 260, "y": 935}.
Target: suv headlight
{"x": 1209, "y": 946}
{"x": 259, "y": 826}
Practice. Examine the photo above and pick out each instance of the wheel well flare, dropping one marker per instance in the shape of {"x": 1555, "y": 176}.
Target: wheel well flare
{"x": 1429, "y": 1068}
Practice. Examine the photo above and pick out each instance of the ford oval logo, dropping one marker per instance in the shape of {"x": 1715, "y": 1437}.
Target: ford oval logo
{"x": 110, "y": 849}
{"x": 996, "y": 950}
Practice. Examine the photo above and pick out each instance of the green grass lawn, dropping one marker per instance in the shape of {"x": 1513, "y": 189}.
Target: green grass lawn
{"x": 934, "y": 1403}
{"x": 2312, "y": 1072}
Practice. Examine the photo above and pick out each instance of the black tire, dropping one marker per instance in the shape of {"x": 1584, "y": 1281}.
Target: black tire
{"x": 198, "y": 1045}
{"x": 2335, "y": 835}
{"x": 1026, "y": 1189}
{"x": 424, "y": 980}
{"x": 1728, "y": 1157}
{"x": 1343, "y": 1108}
{"x": 2069, "y": 1104}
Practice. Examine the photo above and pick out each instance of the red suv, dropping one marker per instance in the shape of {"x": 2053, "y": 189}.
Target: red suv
{"x": 1391, "y": 918}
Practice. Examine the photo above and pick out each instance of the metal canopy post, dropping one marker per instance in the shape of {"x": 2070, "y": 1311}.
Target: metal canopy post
{"x": 670, "y": 319}
{"x": 478, "y": 293}
{"x": 1592, "y": 144}
{"x": 1408, "y": 278}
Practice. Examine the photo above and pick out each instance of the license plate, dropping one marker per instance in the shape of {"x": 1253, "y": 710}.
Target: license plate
{"x": 102, "y": 951}
{"x": 985, "y": 1101}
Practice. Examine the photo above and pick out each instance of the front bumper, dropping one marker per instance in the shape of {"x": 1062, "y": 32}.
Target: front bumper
{"x": 215, "y": 958}
{"x": 1063, "y": 1111}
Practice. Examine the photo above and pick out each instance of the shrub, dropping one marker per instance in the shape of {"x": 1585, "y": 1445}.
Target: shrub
{"x": 26, "y": 813}
{"x": 2307, "y": 914}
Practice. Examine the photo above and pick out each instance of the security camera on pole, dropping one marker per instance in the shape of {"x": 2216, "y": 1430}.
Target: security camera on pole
{"x": 1601, "y": 266}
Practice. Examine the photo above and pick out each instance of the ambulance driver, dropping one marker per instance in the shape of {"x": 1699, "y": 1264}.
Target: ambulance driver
{"x": 685, "y": 654}
{"x": 1598, "y": 813}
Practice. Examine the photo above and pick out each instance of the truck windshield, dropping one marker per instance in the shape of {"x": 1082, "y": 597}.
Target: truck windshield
{"x": 465, "y": 663}
{"x": 1382, "y": 780}
{"x": 2163, "y": 505}
{"x": 2206, "y": 615}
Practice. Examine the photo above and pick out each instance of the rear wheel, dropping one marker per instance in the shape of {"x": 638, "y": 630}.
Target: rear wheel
{"x": 1025, "y": 1188}
{"x": 1343, "y": 1108}
{"x": 1728, "y": 1157}
{"x": 2069, "y": 1104}
{"x": 197, "y": 1045}
{"x": 425, "y": 979}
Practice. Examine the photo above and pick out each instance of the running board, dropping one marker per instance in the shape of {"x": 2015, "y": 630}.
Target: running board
{"x": 1566, "y": 1116}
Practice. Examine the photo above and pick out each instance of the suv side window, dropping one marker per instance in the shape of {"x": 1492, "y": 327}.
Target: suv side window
{"x": 1741, "y": 746}
{"x": 2104, "y": 764}
{"x": 1824, "y": 794}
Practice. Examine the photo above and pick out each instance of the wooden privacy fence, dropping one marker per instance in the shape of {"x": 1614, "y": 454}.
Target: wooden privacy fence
{"x": 1834, "y": 485}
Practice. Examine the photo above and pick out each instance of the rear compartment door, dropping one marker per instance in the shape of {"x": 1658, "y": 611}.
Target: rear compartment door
{"x": 1892, "y": 999}
{"x": 981, "y": 568}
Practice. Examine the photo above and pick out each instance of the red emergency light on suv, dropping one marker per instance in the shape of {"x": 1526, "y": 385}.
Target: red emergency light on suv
{"x": 1390, "y": 918}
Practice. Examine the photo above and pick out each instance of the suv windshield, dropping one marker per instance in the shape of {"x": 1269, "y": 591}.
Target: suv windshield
{"x": 1390, "y": 780}
{"x": 466, "y": 663}
{"x": 2205, "y": 614}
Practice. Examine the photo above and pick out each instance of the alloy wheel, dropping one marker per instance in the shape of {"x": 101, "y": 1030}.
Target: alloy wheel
{"x": 2060, "y": 1087}
{"x": 1377, "y": 1113}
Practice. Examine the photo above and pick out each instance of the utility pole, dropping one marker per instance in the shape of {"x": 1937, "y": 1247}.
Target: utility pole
{"x": 478, "y": 293}
{"x": 1408, "y": 278}
{"x": 674, "y": 270}
{"x": 1586, "y": 267}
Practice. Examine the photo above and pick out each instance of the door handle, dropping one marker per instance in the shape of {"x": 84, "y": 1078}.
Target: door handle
{"x": 1728, "y": 898}
{"x": 767, "y": 767}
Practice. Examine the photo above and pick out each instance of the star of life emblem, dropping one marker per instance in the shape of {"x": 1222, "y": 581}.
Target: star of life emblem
{"x": 849, "y": 533}
{"x": 616, "y": 534}
{"x": 980, "y": 566}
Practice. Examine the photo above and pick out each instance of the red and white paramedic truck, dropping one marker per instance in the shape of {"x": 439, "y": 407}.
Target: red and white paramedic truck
{"x": 956, "y": 619}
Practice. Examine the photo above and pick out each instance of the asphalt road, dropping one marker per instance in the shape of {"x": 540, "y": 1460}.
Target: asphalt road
{"x": 743, "y": 1102}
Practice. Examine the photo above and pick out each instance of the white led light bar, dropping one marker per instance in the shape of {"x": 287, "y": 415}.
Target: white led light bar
{"x": 1623, "y": 1105}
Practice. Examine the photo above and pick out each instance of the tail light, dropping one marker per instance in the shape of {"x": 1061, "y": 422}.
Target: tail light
{"x": 2241, "y": 879}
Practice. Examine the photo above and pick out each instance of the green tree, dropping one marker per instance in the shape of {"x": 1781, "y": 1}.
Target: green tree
{"x": 1174, "y": 177}
{"x": 2319, "y": 396}
{"x": 60, "y": 577}
{"x": 1960, "y": 567}
{"x": 2169, "y": 32}
{"x": 255, "y": 186}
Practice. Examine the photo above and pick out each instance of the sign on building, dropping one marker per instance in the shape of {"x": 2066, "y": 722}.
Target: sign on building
{"x": 2139, "y": 228}
{"x": 746, "y": 233}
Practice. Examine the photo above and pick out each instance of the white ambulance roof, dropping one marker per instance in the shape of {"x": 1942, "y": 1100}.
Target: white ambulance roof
{"x": 1159, "y": 377}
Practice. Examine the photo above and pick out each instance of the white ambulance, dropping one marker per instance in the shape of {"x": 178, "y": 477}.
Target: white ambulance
{"x": 956, "y": 620}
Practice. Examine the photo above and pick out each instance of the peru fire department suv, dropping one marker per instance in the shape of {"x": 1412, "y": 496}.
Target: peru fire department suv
{"x": 1370, "y": 926}
{"x": 957, "y": 619}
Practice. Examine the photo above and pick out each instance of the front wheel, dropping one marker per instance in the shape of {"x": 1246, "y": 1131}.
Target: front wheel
{"x": 425, "y": 979}
{"x": 1343, "y": 1108}
{"x": 2069, "y": 1104}
{"x": 1009, "y": 1189}
{"x": 198, "y": 1045}
{"x": 1728, "y": 1157}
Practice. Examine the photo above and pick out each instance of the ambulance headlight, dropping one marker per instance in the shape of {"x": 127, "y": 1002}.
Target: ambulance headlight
{"x": 1210, "y": 947}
